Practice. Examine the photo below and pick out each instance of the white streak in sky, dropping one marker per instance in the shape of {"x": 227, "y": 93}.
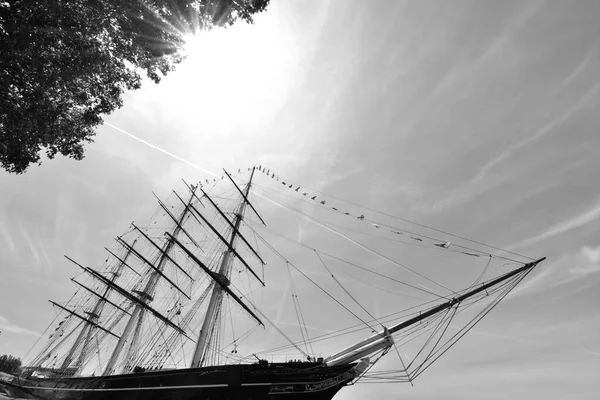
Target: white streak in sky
{"x": 564, "y": 226}
{"x": 6, "y": 325}
{"x": 7, "y": 238}
{"x": 34, "y": 251}
{"x": 466, "y": 70}
{"x": 588, "y": 57}
{"x": 477, "y": 185}
{"x": 540, "y": 133}
{"x": 579, "y": 266}
{"x": 155, "y": 147}
{"x": 41, "y": 246}
{"x": 177, "y": 157}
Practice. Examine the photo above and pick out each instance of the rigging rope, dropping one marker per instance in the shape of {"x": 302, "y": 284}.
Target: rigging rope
{"x": 324, "y": 225}
{"x": 297, "y": 310}
{"x": 348, "y": 293}
{"x": 482, "y": 272}
{"x": 314, "y": 283}
{"x": 436, "y": 351}
{"x": 454, "y": 339}
{"x": 345, "y": 261}
{"x": 403, "y": 366}
{"x": 418, "y": 224}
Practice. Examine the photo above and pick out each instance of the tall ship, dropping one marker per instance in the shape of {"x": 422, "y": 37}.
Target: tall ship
{"x": 212, "y": 299}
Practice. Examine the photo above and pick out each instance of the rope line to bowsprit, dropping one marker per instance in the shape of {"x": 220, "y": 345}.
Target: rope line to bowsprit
{"x": 440, "y": 346}
{"x": 439, "y": 244}
{"x": 313, "y": 194}
{"x": 259, "y": 226}
{"x": 276, "y": 252}
{"x": 357, "y": 243}
{"x": 346, "y": 291}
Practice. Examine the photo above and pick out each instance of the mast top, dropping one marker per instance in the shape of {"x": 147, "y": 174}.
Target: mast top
{"x": 245, "y": 195}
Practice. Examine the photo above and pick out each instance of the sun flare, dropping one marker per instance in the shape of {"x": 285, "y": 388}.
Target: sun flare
{"x": 234, "y": 70}
{"x": 200, "y": 43}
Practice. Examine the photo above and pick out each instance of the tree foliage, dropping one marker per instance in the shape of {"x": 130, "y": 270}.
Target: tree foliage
{"x": 64, "y": 63}
{"x": 10, "y": 364}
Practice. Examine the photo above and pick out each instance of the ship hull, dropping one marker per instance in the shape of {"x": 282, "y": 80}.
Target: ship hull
{"x": 289, "y": 381}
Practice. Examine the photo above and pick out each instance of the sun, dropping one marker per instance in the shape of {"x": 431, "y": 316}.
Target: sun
{"x": 232, "y": 82}
{"x": 230, "y": 68}
{"x": 206, "y": 43}
{"x": 222, "y": 47}
{"x": 222, "y": 61}
{"x": 218, "y": 69}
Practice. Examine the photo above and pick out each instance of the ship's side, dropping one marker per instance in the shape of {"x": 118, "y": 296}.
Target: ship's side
{"x": 261, "y": 381}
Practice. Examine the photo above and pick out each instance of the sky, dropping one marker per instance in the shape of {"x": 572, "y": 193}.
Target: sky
{"x": 478, "y": 118}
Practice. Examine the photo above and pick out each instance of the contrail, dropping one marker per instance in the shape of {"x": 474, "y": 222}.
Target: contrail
{"x": 540, "y": 133}
{"x": 477, "y": 185}
{"x": 155, "y": 147}
{"x": 572, "y": 223}
{"x": 8, "y": 326}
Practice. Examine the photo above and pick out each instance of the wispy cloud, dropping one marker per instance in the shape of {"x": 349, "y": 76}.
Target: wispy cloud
{"x": 591, "y": 54}
{"x": 31, "y": 244}
{"x": 546, "y": 129}
{"x": 569, "y": 224}
{"x": 7, "y": 326}
{"x": 482, "y": 182}
{"x": 463, "y": 71}
{"x": 567, "y": 269}
{"x": 591, "y": 254}
{"x": 7, "y": 238}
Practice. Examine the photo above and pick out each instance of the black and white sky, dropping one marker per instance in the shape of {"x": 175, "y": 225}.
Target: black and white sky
{"x": 477, "y": 117}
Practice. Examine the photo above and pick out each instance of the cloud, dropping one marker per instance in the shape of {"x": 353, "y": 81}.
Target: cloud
{"x": 567, "y": 269}
{"x": 7, "y": 326}
{"x": 592, "y": 254}
{"x": 481, "y": 182}
{"x": 546, "y": 129}
{"x": 30, "y": 244}
{"x": 464, "y": 70}
{"x": 562, "y": 227}
{"x": 591, "y": 54}
{"x": 592, "y": 257}
{"x": 7, "y": 237}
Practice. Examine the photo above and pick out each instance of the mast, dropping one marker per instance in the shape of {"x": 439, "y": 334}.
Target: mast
{"x": 145, "y": 296}
{"x": 216, "y": 298}
{"x": 86, "y": 333}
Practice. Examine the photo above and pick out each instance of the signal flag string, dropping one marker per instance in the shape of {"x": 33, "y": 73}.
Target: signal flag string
{"x": 311, "y": 194}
